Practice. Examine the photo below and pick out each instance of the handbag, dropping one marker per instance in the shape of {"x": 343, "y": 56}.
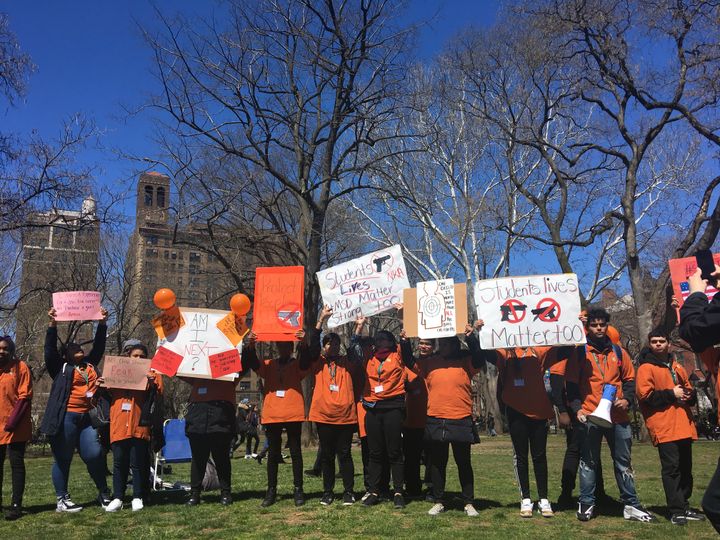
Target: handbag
{"x": 100, "y": 413}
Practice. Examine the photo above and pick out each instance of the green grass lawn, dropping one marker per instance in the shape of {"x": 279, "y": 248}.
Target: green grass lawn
{"x": 495, "y": 489}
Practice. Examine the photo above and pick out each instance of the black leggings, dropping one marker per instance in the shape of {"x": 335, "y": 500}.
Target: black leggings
{"x": 413, "y": 447}
{"x": 335, "y": 440}
{"x": 249, "y": 445}
{"x": 524, "y": 432}
{"x": 274, "y": 434}
{"x": 16, "y": 453}
{"x": 201, "y": 446}
{"x": 384, "y": 434}
{"x": 438, "y": 469}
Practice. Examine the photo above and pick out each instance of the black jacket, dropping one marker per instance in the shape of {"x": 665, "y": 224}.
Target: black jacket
{"x": 700, "y": 321}
{"x": 62, "y": 374}
{"x": 661, "y": 399}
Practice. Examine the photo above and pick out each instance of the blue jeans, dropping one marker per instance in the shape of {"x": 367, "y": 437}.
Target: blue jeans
{"x": 77, "y": 433}
{"x": 130, "y": 453}
{"x": 619, "y": 438}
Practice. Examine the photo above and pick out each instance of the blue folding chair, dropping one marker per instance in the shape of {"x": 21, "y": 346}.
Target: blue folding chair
{"x": 176, "y": 450}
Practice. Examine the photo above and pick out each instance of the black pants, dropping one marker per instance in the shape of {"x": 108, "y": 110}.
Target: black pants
{"x": 249, "y": 450}
{"x": 129, "y": 453}
{"x": 677, "y": 479}
{"x": 384, "y": 434}
{"x": 16, "y": 453}
{"x": 335, "y": 440}
{"x": 201, "y": 446}
{"x": 524, "y": 432}
{"x": 438, "y": 469}
{"x": 711, "y": 499}
{"x": 274, "y": 434}
{"x": 571, "y": 462}
{"x": 385, "y": 477}
{"x": 413, "y": 447}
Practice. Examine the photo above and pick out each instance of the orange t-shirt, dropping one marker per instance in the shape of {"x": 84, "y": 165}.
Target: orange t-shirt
{"x": 674, "y": 422}
{"x": 333, "y": 399}
{"x": 523, "y": 386}
{"x": 416, "y": 400}
{"x": 385, "y": 379}
{"x": 449, "y": 386}
{"x": 211, "y": 390}
{"x": 15, "y": 384}
{"x": 80, "y": 397}
{"x": 585, "y": 371}
{"x": 125, "y": 410}
{"x": 282, "y": 391}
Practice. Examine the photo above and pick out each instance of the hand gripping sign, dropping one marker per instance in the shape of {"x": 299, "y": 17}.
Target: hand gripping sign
{"x": 529, "y": 311}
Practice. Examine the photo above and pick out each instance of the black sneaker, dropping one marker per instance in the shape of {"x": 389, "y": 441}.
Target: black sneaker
{"x": 270, "y": 497}
{"x": 371, "y": 500}
{"x": 104, "y": 499}
{"x": 313, "y": 473}
{"x": 299, "y": 496}
{"x": 398, "y": 501}
{"x": 194, "y": 499}
{"x": 678, "y": 519}
{"x": 327, "y": 499}
{"x": 692, "y": 515}
{"x": 429, "y": 497}
{"x": 226, "y": 499}
{"x": 585, "y": 511}
{"x": 348, "y": 499}
{"x": 14, "y": 512}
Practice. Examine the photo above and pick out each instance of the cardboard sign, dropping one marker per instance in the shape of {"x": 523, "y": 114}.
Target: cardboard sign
{"x": 365, "y": 286}
{"x": 168, "y": 322}
{"x": 224, "y": 363}
{"x": 459, "y": 317}
{"x": 233, "y": 327}
{"x": 125, "y": 372}
{"x": 197, "y": 340}
{"x": 680, "y": 270}
{"x": 279, "y": 302}
{"x": 166, "y": 361}
{"x": 530, "y": 311}
{"x": 77, "y": 306}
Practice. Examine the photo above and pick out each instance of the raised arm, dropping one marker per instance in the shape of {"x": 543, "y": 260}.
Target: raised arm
{"x": 488, "y": 356}
{"x": 53, "y": 361}
{"x": 249, "y": 353}
{"x": 476, "y": 352}
{"x": 98, "y": 348}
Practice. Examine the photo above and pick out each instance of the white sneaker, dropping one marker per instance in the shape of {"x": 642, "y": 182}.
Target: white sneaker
{"x": 367, "y": 494}
{"x": 137, "y": 504}
{"x": 254, "y": 455}
{"x": 526, "y": 508}
{"x": 545, "y": 508}
{"x": 637, "y": 513}
{"x": 114, "y": 506}
{"x": 470, "y": 510}
{"x": 248, "y": 456}
{"x": 437, "y": 509}
{"x": 64, "y": 504}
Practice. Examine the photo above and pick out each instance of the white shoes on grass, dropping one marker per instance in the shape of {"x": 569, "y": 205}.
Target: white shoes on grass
{"x": 439, "y": 508}
{"x": 117, "y": 504}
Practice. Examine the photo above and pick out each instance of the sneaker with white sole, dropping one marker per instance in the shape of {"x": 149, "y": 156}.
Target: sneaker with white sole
{"x": 526, "y": 508}
{"x": 437, "y": 509}
{"x": 545, "y": 508}
{"x": 114, "y": 506}
{"x": 364, "y": 497}
{"x": 64, "y": 504}
{"x": 585, "y": 512}
{"x": 470, "y": 510}
{"x": 638, "y": 513}
{"x": 137, "y": 505}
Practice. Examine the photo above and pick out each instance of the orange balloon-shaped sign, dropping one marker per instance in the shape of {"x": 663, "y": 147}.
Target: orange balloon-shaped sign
{"x": 613, "y": 334}
{"x": 240, "y": 304}
{"x": 164, "y": 298}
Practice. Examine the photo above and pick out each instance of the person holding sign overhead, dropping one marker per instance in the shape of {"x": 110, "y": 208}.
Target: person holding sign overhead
{"x": 15, "y": 396}
{"x": 588, "y": 379}
{"x": 448, "y": 376}
{"x": 130, "y": 433}
{"x": 333, "y": 410}
{"x": 66, "y": 421}
{"x": 283, "y": 408}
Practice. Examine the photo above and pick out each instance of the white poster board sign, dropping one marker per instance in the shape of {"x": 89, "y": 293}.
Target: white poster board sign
{"x": 365, "y": 286}
{"x": 435, "y": 308}
{"x": 529, "y": 311}
{"x": 197, "y": 340}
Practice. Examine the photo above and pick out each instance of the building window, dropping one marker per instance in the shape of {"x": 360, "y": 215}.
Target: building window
{"x": 194, "y": 257}
{"x": 148, "y": 195}
{"x": 152, "y": 239}
{"x": 160, "y": 194}
{"x": 173, "y": 255}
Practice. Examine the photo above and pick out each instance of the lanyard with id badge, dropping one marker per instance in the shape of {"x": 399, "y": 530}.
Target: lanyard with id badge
{"x": 332, "y": 368}
{"x": 281, "y": 370}
{"x": 379, "y": 387}
{"x": 86, "y": 377}
{"x": 518, "y": 380}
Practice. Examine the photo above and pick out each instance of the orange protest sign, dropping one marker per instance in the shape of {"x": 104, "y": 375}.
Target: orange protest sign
{"x": 278, "y": 303}
{"x": 125, "y": 372}
{"x": 233, "y": 327}
{"x": 224, "y": 363}
{"x": 168, "y": 322}
{"x": 166, "y": 361}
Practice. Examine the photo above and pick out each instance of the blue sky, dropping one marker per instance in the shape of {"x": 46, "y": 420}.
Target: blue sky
{"x": 92, "y": 60}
